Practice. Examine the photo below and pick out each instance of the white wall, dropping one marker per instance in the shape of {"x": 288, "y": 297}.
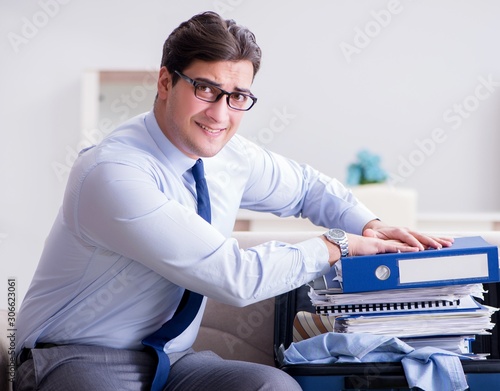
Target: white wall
{"x": 423, "y": 59}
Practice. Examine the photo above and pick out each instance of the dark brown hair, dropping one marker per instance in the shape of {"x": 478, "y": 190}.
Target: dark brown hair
{"x": 208, "y": 37}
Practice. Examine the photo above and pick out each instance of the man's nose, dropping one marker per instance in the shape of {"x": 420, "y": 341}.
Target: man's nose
{"x": 219, "y": 111}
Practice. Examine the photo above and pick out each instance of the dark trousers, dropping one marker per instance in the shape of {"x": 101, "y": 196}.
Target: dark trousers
{"x": 95, "y": 368}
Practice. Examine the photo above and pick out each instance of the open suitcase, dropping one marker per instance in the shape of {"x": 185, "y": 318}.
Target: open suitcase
{"x": 482, "y": 375}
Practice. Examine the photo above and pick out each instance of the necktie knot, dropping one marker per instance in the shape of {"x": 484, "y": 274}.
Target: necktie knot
{"x": 198, "y": 170}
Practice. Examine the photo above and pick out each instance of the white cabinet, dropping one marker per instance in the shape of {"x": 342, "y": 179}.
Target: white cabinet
{"x": 110, "y": 97}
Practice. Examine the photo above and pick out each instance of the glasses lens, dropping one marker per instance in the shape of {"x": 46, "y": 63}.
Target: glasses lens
{"x": 206, "y": 92}
{"x": 240, "y": 101}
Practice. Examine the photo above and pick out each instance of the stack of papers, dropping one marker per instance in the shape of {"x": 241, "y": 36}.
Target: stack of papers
{"x": 330, "y": 302}
{"x": 446, "y": 317}
{"x": 417, "y": 324}
{"x": 434, "y": 311}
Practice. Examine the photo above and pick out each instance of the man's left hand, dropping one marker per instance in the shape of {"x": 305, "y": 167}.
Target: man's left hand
{"x": 378, "y": 229}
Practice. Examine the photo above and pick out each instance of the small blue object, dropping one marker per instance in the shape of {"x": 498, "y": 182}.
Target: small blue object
{"x": 366, "y": 170}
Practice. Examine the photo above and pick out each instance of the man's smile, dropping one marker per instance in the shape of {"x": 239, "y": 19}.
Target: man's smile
{"x": 209, "y": 129}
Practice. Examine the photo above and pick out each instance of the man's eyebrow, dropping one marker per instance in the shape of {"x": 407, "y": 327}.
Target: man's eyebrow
{"x": 244, "y": 90}
{"x": 218, "y": 85}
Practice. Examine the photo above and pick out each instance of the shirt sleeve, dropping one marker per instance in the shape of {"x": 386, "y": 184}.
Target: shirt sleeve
{"x": 285, "y": 188}
{"x": 121, "y": 209}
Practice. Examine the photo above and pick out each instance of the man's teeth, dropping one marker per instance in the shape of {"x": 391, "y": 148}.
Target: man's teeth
{"x": 210, "y": 130}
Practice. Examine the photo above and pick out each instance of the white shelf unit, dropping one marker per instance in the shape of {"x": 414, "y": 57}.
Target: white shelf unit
{"x": 110, "y": 97}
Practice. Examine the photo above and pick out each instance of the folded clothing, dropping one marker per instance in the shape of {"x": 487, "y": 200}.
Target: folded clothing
{"x": 426, "y": 368}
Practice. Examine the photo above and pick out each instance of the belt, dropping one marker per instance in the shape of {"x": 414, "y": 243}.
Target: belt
{"x": 26, "y": 352}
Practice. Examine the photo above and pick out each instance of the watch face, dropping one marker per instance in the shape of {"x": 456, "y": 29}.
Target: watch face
{"x": 336, "y": 233}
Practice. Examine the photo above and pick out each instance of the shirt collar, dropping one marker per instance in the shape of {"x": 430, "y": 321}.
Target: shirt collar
{"x": 179, "y": 161}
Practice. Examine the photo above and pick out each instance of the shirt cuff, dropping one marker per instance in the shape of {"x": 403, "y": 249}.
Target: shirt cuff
{"x": 316, "y": 256}
{"x": 357, "y": 218}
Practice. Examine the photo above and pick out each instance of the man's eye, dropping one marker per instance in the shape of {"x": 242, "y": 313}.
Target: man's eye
{"x": 240, "y": 98}
{"x": 205, "y": 89}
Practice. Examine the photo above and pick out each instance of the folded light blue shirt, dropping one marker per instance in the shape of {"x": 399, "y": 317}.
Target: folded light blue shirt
{"x": 426, "y": 368}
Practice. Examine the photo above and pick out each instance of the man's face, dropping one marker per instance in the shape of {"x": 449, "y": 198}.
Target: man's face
{"x": 198, "y": 128}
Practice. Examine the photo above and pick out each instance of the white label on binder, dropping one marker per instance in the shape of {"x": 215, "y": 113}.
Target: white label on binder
{"x": 443, "y": 268}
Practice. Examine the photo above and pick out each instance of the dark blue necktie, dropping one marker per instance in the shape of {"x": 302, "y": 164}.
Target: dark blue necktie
{"x": 190, "y": 302}
{"x": 202, "y": 191}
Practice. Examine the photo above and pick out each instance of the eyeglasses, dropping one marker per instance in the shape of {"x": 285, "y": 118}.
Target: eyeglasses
{"x": 210, "y": 93}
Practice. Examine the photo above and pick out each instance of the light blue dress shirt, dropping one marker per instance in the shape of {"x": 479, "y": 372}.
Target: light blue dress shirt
{"x": 128, "y": 240}
{"x": 426, "y": 368}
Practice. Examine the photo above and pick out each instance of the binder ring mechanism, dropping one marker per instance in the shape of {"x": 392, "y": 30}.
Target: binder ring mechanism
{"x": 382, "y": 272}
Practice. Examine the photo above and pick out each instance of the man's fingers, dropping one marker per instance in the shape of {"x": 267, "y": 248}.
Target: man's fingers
{"x": 432, "y": 241}
{"x": 411, "y": 238}
{"x": 399, "y": 247}
{"x": 370, "y": 233}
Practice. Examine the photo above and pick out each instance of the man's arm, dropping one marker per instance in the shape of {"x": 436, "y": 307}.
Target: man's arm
{"x": 285, "y": 188}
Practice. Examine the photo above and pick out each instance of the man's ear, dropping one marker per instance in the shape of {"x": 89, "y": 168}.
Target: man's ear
{"x": 164, "y": 83}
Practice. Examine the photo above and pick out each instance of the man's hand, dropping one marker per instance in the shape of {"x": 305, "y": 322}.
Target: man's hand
{"x": 364, "y": 245}
{"x": 380, "y": 238}
{"x": 377, "y": 229}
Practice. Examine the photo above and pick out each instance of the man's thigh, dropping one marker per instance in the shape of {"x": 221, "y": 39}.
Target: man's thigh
{"x": 206, "y": 371}
{"x": 85, "y": 368}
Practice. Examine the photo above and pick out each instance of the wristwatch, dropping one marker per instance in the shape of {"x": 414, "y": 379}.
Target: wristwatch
{"x": 338, "y": 237}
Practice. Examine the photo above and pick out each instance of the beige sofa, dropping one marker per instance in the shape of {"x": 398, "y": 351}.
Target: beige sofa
{"x": 234, "y": 333}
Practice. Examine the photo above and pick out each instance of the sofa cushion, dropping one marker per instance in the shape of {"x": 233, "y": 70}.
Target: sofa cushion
{"x": 238, "y": 333}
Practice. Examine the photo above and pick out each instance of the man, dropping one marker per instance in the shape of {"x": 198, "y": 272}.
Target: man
{"x": 132, "y": 235}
